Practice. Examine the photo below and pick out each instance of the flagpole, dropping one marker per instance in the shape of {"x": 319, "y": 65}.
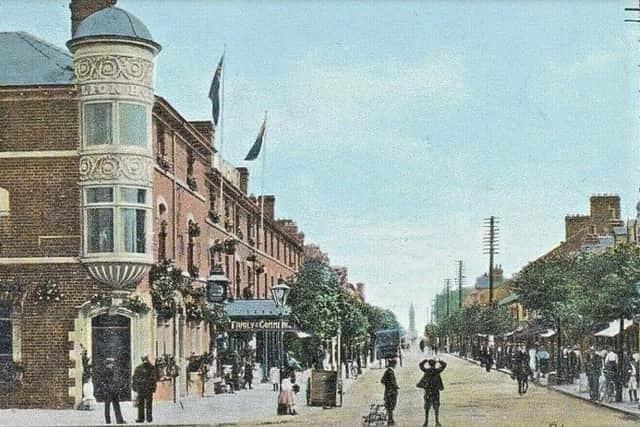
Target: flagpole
{"x": 222, "y": 71}
{"x": 264, "y": 157}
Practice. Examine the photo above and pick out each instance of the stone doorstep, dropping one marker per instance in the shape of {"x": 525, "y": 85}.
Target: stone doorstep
{"x": 626, "y": 411}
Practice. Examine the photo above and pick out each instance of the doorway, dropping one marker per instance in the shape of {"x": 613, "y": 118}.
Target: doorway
{"x": 111, "y": 337}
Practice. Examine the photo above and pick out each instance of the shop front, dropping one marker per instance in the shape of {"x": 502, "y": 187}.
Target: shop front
{"x": 256, "y": 336}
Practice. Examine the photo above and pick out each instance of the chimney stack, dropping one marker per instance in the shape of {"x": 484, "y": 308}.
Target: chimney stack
{"x": 80, "y": 9}
{"x": 244, "y": 182}
{"x": 269, "y": 206}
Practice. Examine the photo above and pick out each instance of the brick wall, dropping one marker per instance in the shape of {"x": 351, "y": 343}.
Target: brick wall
{"x": 45, "y": 333}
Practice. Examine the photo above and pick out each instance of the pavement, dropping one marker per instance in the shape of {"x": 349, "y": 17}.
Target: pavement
{"x": 472, "y": 397}
{"x": 573, "y": 390}
{"x": 245, "y": 407}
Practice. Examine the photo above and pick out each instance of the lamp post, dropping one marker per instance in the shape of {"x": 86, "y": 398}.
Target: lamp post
{"x": 216, "y": 293}
{"x": 279, "y": 295}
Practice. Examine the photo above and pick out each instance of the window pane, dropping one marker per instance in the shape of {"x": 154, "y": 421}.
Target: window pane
{"x": 99, "y": 195}
{"x": 100, "y": 230}
{"x": 97, "y": 123}
{"x": 133, "y": 221}
{"x": 5, "y": 338}
{"x": 133, "y": 195}
{"x": 133, "y": 124}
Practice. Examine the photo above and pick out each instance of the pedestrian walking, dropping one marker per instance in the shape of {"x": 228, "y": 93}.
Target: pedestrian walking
{"x": 274, "y": 377}
{"x": 542, "y": 356}
{"x": 594, "y": 370}
{"x": 431, "y": 382}
{"x": 248, "y": 375}
{"x": 390, "y": 390}
{"x": 111, "y": 389}
{"x": 144, "y": 382}
{"x": 488, "y": 359}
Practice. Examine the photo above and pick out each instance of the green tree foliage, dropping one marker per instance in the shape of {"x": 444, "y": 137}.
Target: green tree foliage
{"x": 320, "y": 307}
{"x": 548, "y": 286}
{"x": 608, "y": 283}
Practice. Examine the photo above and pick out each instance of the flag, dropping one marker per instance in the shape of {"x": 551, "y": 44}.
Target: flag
{"x": 255, "y": 149}
{"x": 214, "y": 92}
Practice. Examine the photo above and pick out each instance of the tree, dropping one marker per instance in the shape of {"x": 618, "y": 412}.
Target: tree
{"x": 549, "y": 286}
{"x": 609, "y": 280}
{"x": 314, "y": 302}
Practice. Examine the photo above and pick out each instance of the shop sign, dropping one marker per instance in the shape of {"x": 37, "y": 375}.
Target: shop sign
{"x": 261, "y": 325}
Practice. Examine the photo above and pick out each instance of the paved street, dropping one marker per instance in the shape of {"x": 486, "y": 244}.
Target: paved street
{"x": 471, "y": 398}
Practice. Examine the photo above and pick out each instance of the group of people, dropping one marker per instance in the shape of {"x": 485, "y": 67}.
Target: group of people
{"x": 143, "y": 383}
{"x": 431, "y": 383}
{"x": 602, "y": 369}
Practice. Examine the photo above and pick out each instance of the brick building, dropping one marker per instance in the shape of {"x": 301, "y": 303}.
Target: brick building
{"x": 101, "y": 178}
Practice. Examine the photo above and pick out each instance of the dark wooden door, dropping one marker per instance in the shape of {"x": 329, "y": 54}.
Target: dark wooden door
{"x": 111, "y": 337}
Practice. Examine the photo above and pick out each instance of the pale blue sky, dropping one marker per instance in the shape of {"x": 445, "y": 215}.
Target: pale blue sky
{"x": 396, "y": 127}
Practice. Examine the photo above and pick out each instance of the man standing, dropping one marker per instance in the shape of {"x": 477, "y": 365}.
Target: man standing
{"x": 594, "y": 369}
{"x": 144, "y": 383}
{"x": 390, "y": 390}
{"x": 111, "y": 389}
{"x": 431, "y": 382}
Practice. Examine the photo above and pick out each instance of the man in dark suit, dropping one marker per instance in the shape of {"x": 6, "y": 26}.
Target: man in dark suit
{"x": 594, "y": 370}
{"x": 390, "y": 390}
{"x": 111, "y": 389}
{"x": 144, "y": 383}
{"x": 431, "y": 382}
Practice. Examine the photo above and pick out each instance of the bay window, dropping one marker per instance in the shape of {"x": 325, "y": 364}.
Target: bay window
{"x": 116, "y": 224}
{"x": 98, "y": 123}
{"x": 100, "y": 119}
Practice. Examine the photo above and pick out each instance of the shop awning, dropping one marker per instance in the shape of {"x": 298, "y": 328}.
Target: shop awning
{"x": 614, "y": 328}
{"x": 255, "y": 309}
{"x": 301, "y": 334}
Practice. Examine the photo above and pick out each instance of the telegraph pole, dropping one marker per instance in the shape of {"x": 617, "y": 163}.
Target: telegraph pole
{"x": 448, "y": 282}
{"x": 491, "y": 247}
{"x": 460, "y": 277}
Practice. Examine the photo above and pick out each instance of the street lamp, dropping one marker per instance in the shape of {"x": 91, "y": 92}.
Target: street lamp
{"x": 280, "y": 292}
{"x": 217, "y": 284}
{"x": 279, "y": 295}
{"x": 216, "y": 293}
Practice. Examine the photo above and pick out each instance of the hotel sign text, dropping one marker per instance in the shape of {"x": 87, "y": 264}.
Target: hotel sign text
{"x": 261, "y": 325}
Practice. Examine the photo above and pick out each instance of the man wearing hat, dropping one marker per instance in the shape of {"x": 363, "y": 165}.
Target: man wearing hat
{"x": 111, "y": 390}
{"x": 431, "y": 382}
{"x": 144, "y": 384}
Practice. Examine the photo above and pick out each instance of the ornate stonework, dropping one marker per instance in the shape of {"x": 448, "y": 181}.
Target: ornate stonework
{"x": 101, "y": 167}
{"x": 114, "y": 67}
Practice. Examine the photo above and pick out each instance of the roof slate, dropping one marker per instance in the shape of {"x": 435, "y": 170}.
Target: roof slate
{"x": 28, "y": 60}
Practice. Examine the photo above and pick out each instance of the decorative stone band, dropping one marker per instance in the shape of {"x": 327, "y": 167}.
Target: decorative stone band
{"x": 114, "y": 68}
{"x": 118, "y": 275}
{"x": 109, "y": 167}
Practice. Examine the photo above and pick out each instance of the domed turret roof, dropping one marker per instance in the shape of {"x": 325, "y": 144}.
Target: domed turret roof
{"x": 113, "y": 22}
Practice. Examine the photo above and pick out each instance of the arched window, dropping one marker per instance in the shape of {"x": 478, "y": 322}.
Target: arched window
{"x": 4, "y": 202}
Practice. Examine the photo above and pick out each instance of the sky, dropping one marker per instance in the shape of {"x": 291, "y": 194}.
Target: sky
{"x": 394, "y": 128}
